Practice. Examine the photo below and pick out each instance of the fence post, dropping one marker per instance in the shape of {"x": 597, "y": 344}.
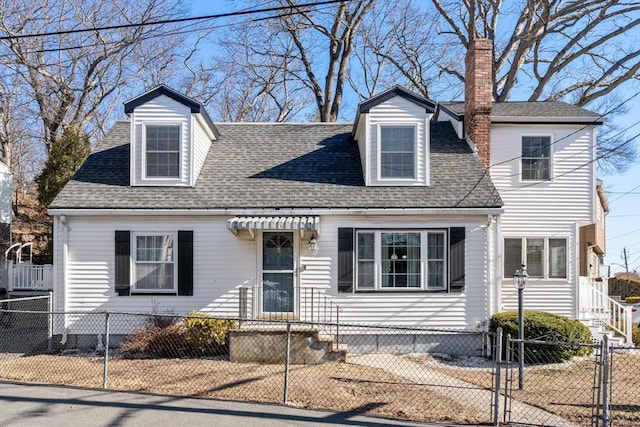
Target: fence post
{"x": 105, "y": 372}
{"x": 243, "y": 303}
{"x": 605, "y": 381}
{"x": 287, "y": 355}
{"x": 50, "y": 328}
{"x": 498, "y": 368}
{"x": 337, "y": 327}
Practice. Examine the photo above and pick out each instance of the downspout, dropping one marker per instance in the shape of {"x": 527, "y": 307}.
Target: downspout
{"x": 63, "y": 289}
{"x": 490, "y": 266}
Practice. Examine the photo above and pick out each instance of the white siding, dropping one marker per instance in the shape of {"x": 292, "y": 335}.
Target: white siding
{"x": 360, "y": 136}
{"x": 437, "y": 310}
{"x": 458, "y": 125}
{"x": 201, "y": 146}
{"x": 224, "y": 262}
{"x": 550, "y": 209}
{"x": 399, "y": 111}
{"x": 161, "y": 110}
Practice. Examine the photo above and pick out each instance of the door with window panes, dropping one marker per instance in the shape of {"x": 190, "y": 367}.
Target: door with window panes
{"x": 278, "y": 272}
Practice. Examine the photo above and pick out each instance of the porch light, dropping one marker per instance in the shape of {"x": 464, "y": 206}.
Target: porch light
{"x": 313, "y": 244}
{"x": 520, "y": 278}
{"x": 520, "y": 281}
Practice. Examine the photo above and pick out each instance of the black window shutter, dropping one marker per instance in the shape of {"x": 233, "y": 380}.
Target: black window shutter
{"x": 185, "y": 263}
{"x": 123, "y": 263}
{"x": 456, "y": 258}
{"x": 345, "y": 259}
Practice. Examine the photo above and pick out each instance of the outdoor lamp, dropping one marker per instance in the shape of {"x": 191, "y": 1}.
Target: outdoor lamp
{"x": 520, "y": 278}
{"x": 313, "y": 244}
{"x": 520, "y": 281}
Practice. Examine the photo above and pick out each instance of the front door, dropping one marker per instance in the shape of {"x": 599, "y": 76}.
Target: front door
{"x": 278, "y": 272}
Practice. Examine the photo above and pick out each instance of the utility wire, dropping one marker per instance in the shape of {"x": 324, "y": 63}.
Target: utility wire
{"x": 172, "y": 21}
{"x": 625, "y": 194}
{"x": 598, "y": 157}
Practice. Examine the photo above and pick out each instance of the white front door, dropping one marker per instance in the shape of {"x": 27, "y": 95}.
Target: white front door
{"x": 278, "y": 268}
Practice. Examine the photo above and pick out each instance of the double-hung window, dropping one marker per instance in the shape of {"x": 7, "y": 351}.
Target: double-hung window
{"x": 154, "y": 263}
{"x": 536, "y": 158}
{"x": 162, "y": 152}
{"x": 395, "y": 260}
{"x": 543, "y": 257}
{"x": 397, "y": 152}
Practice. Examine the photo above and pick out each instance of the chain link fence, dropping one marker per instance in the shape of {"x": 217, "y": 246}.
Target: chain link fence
{"x": 411, "y": 373}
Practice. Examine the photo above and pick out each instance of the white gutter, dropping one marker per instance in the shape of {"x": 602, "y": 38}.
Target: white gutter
{"x": 279, "y": 212}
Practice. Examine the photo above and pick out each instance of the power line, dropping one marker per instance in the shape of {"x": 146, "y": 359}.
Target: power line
{"x": 595, "y": 159}
{"x": 625, "y": 194}
{"x": 592, "y": 123}
{"x": 172, "y": 21}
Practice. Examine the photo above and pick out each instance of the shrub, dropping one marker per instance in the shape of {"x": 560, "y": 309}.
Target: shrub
{"x": 542, "y": 326}
{"x": 155, "y": 341}
{"x": 632, "y": 300}
{"x": 635, "y": 337}
{"x": 206, "y": 335}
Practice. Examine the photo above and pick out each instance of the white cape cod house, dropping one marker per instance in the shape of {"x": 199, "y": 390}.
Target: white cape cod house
{"x": 402, "y": 217}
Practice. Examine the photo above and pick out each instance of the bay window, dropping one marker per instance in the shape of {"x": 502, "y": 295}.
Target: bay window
{"x": 401, "y": 260}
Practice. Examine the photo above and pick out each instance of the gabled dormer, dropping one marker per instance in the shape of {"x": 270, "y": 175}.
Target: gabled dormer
{"x": 393, "y": 134}
{"x": 170, "y": 138}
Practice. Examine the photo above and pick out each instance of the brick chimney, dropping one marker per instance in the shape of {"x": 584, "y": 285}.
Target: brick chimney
{"x": 478, "y": 95}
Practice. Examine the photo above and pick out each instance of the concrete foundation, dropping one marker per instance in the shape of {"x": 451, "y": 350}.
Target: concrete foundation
{"x": 269, "y": 346}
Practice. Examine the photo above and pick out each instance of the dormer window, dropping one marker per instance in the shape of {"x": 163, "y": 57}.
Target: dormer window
{"x": 393, "y": 132}
{"x": 397, "y": 152}
{"x": 170, "y": 138}
{"x": 162, "y": 152}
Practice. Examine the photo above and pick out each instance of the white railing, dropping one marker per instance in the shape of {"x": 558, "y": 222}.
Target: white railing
{"x": 25, "y": 276}
{"x": 596, "y": 306}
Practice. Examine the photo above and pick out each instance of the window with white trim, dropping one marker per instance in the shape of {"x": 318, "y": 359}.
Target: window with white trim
{"x": 154, "y": 263}
{"x": 401, "y": 260}
{"x": 397, "y": 152}
{"x": 543, "y": 257}
{"x": 536, "y": 158}
{"x": 162, "y": 151}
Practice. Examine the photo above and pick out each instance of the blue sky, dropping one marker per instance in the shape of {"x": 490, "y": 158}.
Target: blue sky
{"x": 623, "y": 222}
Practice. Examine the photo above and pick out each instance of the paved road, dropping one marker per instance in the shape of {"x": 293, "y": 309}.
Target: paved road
{"x": 52, "y": 406}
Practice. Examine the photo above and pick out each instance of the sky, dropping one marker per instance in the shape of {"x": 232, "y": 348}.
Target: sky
{"x": 623, "y": 190}
{"x": 623, "y": 220}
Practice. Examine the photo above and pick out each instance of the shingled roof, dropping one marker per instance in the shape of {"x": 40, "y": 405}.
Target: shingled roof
{"x": 532, "y": 112}
{"x": 281, "y": 166}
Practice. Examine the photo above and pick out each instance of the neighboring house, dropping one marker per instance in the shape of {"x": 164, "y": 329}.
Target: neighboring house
{"x": 400, "y": 218}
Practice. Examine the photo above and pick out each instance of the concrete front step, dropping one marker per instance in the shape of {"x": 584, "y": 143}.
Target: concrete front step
{"x": 266, "y": 343}
{"x": 598, "y": 333}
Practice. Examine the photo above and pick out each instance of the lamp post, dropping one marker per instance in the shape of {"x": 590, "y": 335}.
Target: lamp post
{"x": 520, "y": 281}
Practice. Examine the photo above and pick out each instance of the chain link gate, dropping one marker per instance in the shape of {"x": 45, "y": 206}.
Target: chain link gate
{"x": 574, "y": 393}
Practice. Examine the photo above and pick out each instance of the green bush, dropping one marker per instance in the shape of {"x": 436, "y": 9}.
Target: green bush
{"x": 543, "y": 326}
{"x": 206, "y": 335}
{"x": 632, "y": 300}
{"x": 635, "y": 337}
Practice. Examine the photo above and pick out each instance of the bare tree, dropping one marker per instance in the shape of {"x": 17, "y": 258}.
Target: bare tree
{"x": 581, "y": 52}
{"x": 298, "y": 55}
{"x": 75, "y": 71}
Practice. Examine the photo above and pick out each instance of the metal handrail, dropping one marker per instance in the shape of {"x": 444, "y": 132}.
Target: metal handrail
{"x": 311, "y": 306}
{"x": 617, "y": 316}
